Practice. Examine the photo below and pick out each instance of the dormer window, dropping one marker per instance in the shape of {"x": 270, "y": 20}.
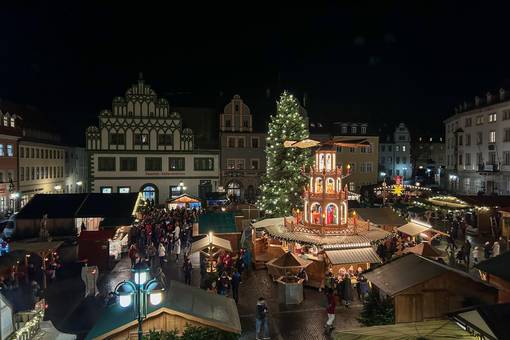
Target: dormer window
{"x": 363, "y": 129}
{"x": 13, "y": 123}
{"x": 354, "y": 129}
{"x": 344, "y": 129}
{"x": 6, "y": 121}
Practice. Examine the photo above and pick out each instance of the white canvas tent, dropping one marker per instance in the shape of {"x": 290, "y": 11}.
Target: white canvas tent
{"x": 6, "y": 318}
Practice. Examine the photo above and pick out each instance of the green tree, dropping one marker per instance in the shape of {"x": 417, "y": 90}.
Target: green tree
{"x": 377, "y": 311}
{"x": 283, "y": 182}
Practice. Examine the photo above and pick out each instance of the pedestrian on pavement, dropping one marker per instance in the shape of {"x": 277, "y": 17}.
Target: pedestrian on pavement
{"x": 133, "y": 252}
{"x": 495, "y": 249}
{"x": 188, "y": 270}
{"x": 236, "y": 280}
{"x": 151, "y": 251}
{"x": 347, "y": 291}
{"x": 477, "y": 254}
{"x": 487, "y": 249}
{"x": 223, "y": 284}
{"x": 261, "y": 319}
{"x": 177, "y": 249}
{"x": 162, "y": 254}
{"x": 502, "y": 245}
{"x": 330, "y": 310}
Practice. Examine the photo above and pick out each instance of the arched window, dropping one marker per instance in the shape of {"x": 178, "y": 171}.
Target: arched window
{"x": 233, "y": 189}
{"x": 150, "y": 192}
{"x": 318, "y": 186}
{"x": 330, "y": 186}
{"x": 316, "y": 213}
{"x": 331, "y": 214}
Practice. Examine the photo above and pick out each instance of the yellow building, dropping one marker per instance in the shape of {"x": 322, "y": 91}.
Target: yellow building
{"x": 363, "y": 161}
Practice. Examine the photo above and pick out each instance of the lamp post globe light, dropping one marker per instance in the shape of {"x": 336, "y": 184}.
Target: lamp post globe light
{"x": 138, "y": 291}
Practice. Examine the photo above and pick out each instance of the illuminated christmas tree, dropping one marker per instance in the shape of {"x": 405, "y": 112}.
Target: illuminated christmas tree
{"x": 284, "y": 183}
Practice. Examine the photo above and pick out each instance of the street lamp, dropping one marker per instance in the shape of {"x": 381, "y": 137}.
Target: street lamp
{"x": 136, "y": 293}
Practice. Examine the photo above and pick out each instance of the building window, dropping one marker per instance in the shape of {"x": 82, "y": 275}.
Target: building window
{"x": 103, "y": 164}
{"x": 123, "y": 190}
{"x": 1, "y": 150}
{"x": 22, "y": 152}
{"x": 383, "y": 148}
{"x": 6, "y": 121}
{"x": 363, "y": 130}
{"x": 10, "y": 150}
{"x": 37, "y": 155}
{"x": 1, "y": 176}
{"x": 175, "y": 190}
{"x": 352, "y": 186}
{"x": 401, "y": 138}
{"x": 51, "y": 172}
{"x": 479, "y": 120}
{"x": 383, "y": 159}
{"x": 141, "y": 139}
{"x": 492, "y": 158}
{"x": 460, "y": 159}
{"x": 460, "y": 139}
{"x": 46, "y": 172}
{"x": 255, "y": 143}
{"x": 397, "y": 160}
{"x": 13, "y": 122}
{"x": 245, "y": 123}
{"x": 165, "y": 139}
{"x": 479, "y": 138}
{"x": 203, "y": 163}
{"x": 37, "y": 173}
{"x": 21, "y": 174}
{"x": 117, "y": 138}
{"x": 153, "y": 163}
{"x": 27, "y": 173}
{"x": 397, "y": 148}
{"x": 237, "y": 107}
{"x": 404, "y": 160}
{"x": 506, "y": 157}
{"x": 46, "y": 153}
{"x": 31, "y": 153}
{"x": 492, "y": 137}
{"x": 506, "y": 115}
{"x": 106, "y": 190}
{"x": 352, "y": 149}
{"x": 176, "y": 164}
{"x": 240, "y": 142}
{"x": 403, "y": 148}
{"x": 228, "y": 123}
{"x": 231, "y": 164}
{"x": 231, "y": 142}
{"x": 468, "y": 122}
{"x": 468, "y": 159}
{"x": 344, "y": 129}
{"x": 255, "y": 164}
{"x": 468, "y": 140}
{"x": 506, "y": 137}
{"x": 128, "y": 163}
{"x": 492, "y": 117}
{"x": 354, "y": 129}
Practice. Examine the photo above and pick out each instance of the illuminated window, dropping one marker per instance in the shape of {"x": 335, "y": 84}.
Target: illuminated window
{"x": 13, "y": 122}
{"x": 492, "y": 137}
{"x": 10, "y": 150}
{"x": 1, "y": 150}
{"x": 6, "y": 121}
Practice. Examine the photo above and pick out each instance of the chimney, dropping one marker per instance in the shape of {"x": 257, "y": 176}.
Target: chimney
{"x": 489, "y": 97}
{"x": 477, "y": 101}
{"x": 501, "y": 94}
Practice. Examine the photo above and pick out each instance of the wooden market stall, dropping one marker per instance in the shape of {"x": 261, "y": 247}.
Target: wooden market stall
{"x": 417, "y": 228}
{"x": 288, "y": 263}
{"x": 384, "y": 218}
{"x": 186, "y": 201}
{"x": 424, "y": 289}
{"x": 496, "y": 271}
{"x": 182, "y": 306}
{"x": 425, "y": 249}
{"x": 210, "y": 246}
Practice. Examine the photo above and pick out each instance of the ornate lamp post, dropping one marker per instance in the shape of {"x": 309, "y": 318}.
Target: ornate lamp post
{"x": 136, "y": 293}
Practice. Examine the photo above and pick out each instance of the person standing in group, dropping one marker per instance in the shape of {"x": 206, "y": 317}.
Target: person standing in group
{"x": 261, "y": 319}
{"x": 133, "y": 253}
{"x": 330, "y": 310}
{"x": 495, "y": 249}
{"x": 346, "y": 290}
{"x": 188, "y": 269}
{"x": 162, "y": 254}
{"x": 236, "y": 280}
{"x": 151, "y": 251}
{"x": 476, "y": 254}
{"x": 177, "y": 248}
{"x": 487, "y": 249}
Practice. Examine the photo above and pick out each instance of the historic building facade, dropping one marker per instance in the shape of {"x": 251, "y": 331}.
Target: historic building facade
{"x": 478, "y": 145}
{"x": 361, "y": 162}
{"x": 395, "y": 153}
{"x": 75, "y": 169}
{"x": 243, "y": 158}
{"x": 10, "y": 133}
{"x": 141, "y": 145}
{"x": 428, "y": 159}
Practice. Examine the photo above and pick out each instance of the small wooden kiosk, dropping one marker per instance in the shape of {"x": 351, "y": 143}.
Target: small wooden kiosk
{"x": 210, "y": 246}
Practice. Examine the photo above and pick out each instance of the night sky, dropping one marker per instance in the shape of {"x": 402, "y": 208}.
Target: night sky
{"x": 378, "y": 61}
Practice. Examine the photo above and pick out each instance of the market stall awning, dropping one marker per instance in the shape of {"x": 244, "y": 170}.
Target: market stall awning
{"x": 488, "y": 320}
{"x": 278, "y": 221}
{"x": 354, "y": 255}
{"x": 380, "y": 216}
{"x": 211, "y": 241}
{"x": 436, "y": 329}
{"x": 36, "y": 247}
{"x": 184, "y": 199}
{"x": 424, "y": 249}
{"x": 223, "y": 222}
{"x": 413, "y": 228}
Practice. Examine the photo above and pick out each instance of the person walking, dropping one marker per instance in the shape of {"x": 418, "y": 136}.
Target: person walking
{"x": 346, "y": 291}
{"x": 495, "y": 249}
{"x": 133, "y": 253}
{"x": 261, "y": 319}
{"x": 236, "y": 280}
{"x": 487, "y": 249}
{"x": 188, "y": 269}
{"x": 151, "y": 251}
{"x": 162, "y": 254}
{"x": 177, "y": 249}
{"x": 330, "y": 310}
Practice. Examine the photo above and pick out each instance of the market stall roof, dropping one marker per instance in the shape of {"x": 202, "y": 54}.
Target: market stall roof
{"x": 486, "y": 200}
{"x": 80, "y": 205}
{"x": 223, "y": 222}
{"x": 327, "y": 242}
{"x": 434, "y": 329}
{"x": 489, "y": 319}
{"x": 409, "y": 270}
{"x": 184, "y": 198}
{"x": 278, "y": 221}
{"x": 381, "y": 216}
{"x": 211, "y": 240}
{"x": 354, "y": 255}
{"x": 414, "y": 228}
{"x": 288, "y": 260}
{"x": 497, "y": 266}
{"x": 424, "y": 249}
{"x": 49, "y": 332}
{"x": 375, "y": 233}
{"x": 35, "y": 247}
{"x": 191, "y": 303}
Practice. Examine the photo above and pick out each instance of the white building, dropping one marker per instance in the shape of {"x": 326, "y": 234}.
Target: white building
{"x": 478, "y": 146}
{"x": 395, "y": 153}
{"x": 140, "y": 145}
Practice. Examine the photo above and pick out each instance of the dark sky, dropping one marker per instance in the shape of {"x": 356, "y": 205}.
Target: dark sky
{"x": 379, "y": 61}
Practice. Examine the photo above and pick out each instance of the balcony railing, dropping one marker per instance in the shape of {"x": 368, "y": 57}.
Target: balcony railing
{"x": 488, "y": 167}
